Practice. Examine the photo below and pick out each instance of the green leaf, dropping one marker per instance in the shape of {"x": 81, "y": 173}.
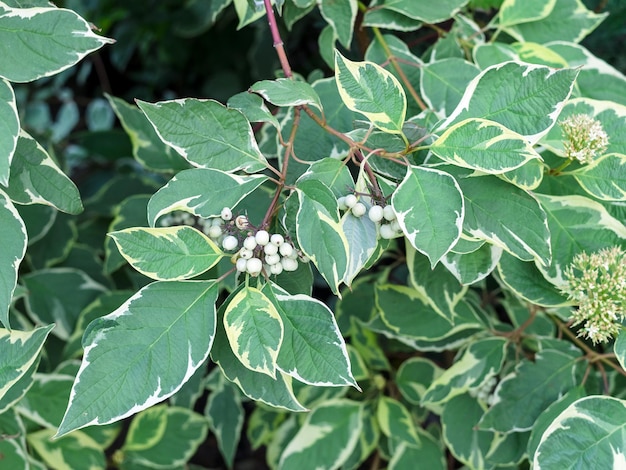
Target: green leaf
{"x": 225, "y": 415}
{"x": 429, "y": 206}
{"x": 413, "y": 378}
{"x": 567, "y": 20}
{"x": 429, "y": 455}
{"x": 590, "y": 429}
{"x": 362, "y": 236}
{"x": 426, "y": 12}
{"x": 390, "y": 19}
{"x": 203, "y": 192}
{"x": 75, "y": 451}
{"x": 522, "y": 395}
{"x": 263, "y": 424}
{"x": 19, "y": 351}
{"x": 340, "y": 15}
{"x": 527, "y": 176}
{"x": 45, "y": 400}
{"x": 436, "y": 286}
{"x": 36, "y": 179}
{"x": 163, "y": 437}
{"x": 333, "y": 172}
{"x": 523, "y": 232}
{"x": 469, "y": 268}
{"x": 130, "y": 213}
{"x": 206, "y": 134}
{"x": 483, "y": 145}
{"x": 327, "y": 437}
{"x": 319, "y": 232}
{"x": 9, "y": 129}
{"x": 527, "y": 282}
{"x": 252, "y": 107}
{"x": 260, "y": 387}
{"x": 462, "y": 437}
{"x": 443, "y": 82}
{"x": 481, "y": 361}
{"x": 513, "y": 12}
{"x": 604, "y": 178}
{"x": 13, "y": 234}
{"x": 529, "y": 97}
{"x": 39, "y": 42}
{"x": 159, "y": 337}
{"x": 577, "y": 224}
{"x": 254, "y": 329}
{"x": 287, "y": 92}
{"x": 14, "y": 453}
{"x": 148, "y": 149}
{"x": 620, "y": 350}
{"x": 313, "y": 350}
{"x": 370, "y": 90}
{"x": 167, "y": 253}
{"x": 396, "y": 422}
{"x": 58, "y": 295}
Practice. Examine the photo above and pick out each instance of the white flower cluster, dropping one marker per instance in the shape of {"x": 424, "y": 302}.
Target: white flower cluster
{"x": 585, "y": 138}
{"x": 383, "y": 215}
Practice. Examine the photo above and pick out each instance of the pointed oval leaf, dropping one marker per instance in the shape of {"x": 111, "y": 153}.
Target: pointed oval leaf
{"x": 203, "y": 192}
{"x": 370, "y": 90}
{"x": 167, "y": 253}
{"x": 147, "y": 349}
{"x": 430, "y": 210}
{"x": 206, "y": 133}
{"x": 512, "y": 12}
{"x": 483, "y": 145}
{"x": 341, "y": 17}
{"x": 529, "y": 97}
{"x": 14, "y": 237}
{"x": 591, "y": 426}
{"x": 604, "y": 178}
{"x": 254, "y": 329}
{"x": 9, "y": 129}
{"x": 287, "y": 92}
{"x": 428, "y": 12}
{"x": 523, "y": 232}
{"x": 39, "y": 42}
{"x": 225, "y": 416}
{"x": 313, "y": 350}
{"x": 76, "y": 451}
{"x": 36, "y": 179}
{"x": 19, "y": 350}
{"x": 45, "y": 400}
{"x": 396, "y": 422}
{"x": 443, "y": 82}
{"x": 327, "y": 437}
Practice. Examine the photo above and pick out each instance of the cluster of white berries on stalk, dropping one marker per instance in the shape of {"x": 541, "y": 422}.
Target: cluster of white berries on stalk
{"x": 379, "y": 214}
{"x": 255, "y": 250}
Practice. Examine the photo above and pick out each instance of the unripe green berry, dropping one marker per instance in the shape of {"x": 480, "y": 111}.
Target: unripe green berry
{"x": 254, "y": 266}
{"x": 375, "y": 213}
{"x": 226, "y": 214}
{"x": 262, "y": 237}
{"x": 230, "y": 243}
{"x": 359, "y": 209}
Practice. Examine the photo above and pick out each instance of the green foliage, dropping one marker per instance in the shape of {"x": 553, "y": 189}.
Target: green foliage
{"x": 394, "y": 260}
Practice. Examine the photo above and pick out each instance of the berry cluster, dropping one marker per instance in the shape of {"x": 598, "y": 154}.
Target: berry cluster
{"x": 485, "y": 392}
{"x": 256, "y": 250}
{"x": 379, "y": 214}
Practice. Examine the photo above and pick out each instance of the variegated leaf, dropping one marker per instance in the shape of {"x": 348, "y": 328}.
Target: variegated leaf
{"x": 9, "y": 129}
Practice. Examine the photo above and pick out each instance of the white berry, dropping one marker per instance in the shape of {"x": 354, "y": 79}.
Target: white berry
{"x": 350, "y": 201}
{"x": 341, "y": 203}
{"x": 388, "y": 213}
{"x": 270, "y": 249}
{"x": 387, "y": 232}
{"x": 262, "y": 237}
{"x": 272, "y": 259}
{"x": 249, "y": 243}
{"x": 375, "y": 213}
{"x": 241, "y": 265}
{"x": 359, "y": 209}
{"x": 285, "y": 249}
{"x": 277, "y": 239}
{"x": 395, "y": 226}
{"x": 230, "y": 243}
{"x": 215, "y": 231}
{"x": 276, "y": 268}
{"x": 289, "y": 264}
{"x": 254, "y": 266}
{"x": 245, "y": 253}
{"x": 226, "y": 214}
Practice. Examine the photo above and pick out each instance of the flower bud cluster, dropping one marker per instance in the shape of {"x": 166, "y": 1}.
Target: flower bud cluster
{"x": 597, "y": 283}
{"x": 484, "y": 393}
{"x": 384, "y": 216}
{"x": 584, "y": 138}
